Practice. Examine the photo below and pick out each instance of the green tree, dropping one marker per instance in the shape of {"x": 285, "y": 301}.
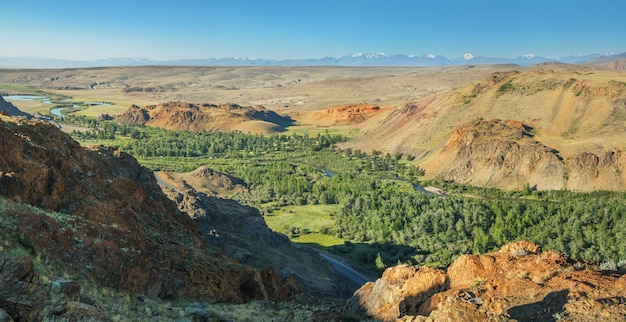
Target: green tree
{"x": 379, "y": 262}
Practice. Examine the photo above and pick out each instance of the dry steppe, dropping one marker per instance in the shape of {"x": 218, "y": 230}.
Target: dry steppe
{"x": 278, "y": 88}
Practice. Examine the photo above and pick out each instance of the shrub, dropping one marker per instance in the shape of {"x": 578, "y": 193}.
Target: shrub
{"x": 507, "y": 87}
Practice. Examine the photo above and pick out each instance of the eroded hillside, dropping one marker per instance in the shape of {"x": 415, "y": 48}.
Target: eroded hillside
{"x": 576, "y": 112}
{"x": 185, "y": 116}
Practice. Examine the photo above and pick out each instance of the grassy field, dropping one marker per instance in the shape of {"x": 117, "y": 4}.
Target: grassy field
{"x": 312, "y": 217}
{"x": 320, "y": 241}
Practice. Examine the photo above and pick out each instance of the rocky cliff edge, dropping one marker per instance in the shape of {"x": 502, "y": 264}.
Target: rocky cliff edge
{"x": 517, "y": 283}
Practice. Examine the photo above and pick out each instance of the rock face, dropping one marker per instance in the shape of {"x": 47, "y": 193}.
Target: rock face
{"x": 503, "y": 153}
{"x": 110, "y": 222}
{"x": 519, "y": 282}
{"x": 399, "y": 292}
{"x": 206, "y": 117}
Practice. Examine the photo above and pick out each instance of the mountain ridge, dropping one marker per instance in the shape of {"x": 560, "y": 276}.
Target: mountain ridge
{"x": 358, "y": 59}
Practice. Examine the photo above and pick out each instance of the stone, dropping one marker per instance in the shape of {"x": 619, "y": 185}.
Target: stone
{"x": 518, "y": 282}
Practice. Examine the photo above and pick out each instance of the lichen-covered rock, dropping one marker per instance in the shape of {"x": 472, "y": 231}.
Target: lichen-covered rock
{"x": 20, "y": 295}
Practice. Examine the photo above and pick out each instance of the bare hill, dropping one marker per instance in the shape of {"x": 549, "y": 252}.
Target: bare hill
{"x": 348, "y": 114}
{"x": 576, "y": 112}
{"x": 177, "y": 115}
{"x": 616, "y": 65}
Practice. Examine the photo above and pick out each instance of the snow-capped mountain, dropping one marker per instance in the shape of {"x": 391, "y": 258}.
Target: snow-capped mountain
{"x": 357, "y": 59}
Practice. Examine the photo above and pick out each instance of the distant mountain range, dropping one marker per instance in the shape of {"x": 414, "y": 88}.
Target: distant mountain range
{"x": 359, "y": 59}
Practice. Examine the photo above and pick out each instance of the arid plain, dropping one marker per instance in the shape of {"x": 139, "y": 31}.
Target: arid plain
{"x": 285, "y": 89}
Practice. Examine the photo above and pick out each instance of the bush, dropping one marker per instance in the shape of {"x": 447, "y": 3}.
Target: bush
{"x": 508, "y": 87}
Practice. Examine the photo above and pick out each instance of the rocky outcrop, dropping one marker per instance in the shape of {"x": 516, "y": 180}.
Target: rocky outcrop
{"x": 134, "y": 115}
{"x": 603, "y": 170}
{"x": 211, "y": 182}
{"x": 178, "y": 116}
{"x": 506, "y": 154}
{"x": 500, "y": 152}
{"x": 106, "y": 218}
{"x": 401, "y": 291}
{"x": 519, "y": 282}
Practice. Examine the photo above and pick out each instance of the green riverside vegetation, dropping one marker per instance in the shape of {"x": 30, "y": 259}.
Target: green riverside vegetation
{"x": 365, "y": 206}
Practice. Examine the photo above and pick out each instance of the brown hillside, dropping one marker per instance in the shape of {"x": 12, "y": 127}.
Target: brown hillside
{"x": 570, "y": 109}
{"x": 517, "y": 283}
{"x": 208, "y": 181}
{"x": 111, "y": 223}
{"x": 176, "y": 115}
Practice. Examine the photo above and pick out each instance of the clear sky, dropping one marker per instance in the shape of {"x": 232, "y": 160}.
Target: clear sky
{"x": 277, "y": 29}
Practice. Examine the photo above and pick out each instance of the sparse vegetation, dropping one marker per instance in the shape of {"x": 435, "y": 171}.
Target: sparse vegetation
{"x": 507, "y": 87}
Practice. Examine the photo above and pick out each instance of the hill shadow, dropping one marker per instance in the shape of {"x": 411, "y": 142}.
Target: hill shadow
{"x": 547, "y": 309}
{"x": 362, "y": 257}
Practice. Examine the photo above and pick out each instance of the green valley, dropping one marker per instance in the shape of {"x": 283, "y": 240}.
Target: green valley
{"x": 364, "y": 206}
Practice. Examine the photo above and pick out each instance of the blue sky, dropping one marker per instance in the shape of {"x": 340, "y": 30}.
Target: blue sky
{"x": 276, "y": 29}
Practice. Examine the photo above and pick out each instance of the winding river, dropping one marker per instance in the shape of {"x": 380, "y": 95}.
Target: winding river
{"x": 57, "y": 111}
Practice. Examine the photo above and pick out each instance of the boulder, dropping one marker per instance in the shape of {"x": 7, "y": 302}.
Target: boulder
{"x": 20, "y": 295}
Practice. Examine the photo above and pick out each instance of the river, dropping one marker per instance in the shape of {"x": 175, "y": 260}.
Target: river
{"x": 42, "y": 99}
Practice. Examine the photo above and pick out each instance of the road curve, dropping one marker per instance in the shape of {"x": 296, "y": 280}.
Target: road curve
{"x": 346, "y": 270}
{"x": 164, "y": 183}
